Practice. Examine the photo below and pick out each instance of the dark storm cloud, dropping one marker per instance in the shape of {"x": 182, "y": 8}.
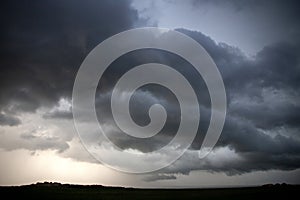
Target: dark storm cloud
{"x": 236, "y": 130}
{"x": 145, "y": 97}
{"x": 236, "y": 165}
{"x": 44, "y": 43}
{"x": 139, "y": 106}
{"x": 272, "y": 83}
{"x": 263, "y": 95}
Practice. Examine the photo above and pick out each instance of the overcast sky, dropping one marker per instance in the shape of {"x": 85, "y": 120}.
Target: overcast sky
{"x": 255, "y": 45}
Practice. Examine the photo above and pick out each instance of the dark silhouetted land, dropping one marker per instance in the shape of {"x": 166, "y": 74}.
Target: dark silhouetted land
{"x": 66, "y": 191}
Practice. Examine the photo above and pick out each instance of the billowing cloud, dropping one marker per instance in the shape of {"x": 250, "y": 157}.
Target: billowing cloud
{"x": 44, "y": 44}
{"x": 62, "y": 111}
{"x": 42, "y": 51}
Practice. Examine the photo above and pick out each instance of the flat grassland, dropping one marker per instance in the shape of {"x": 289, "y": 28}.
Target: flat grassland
{"x": 66, "y": 191}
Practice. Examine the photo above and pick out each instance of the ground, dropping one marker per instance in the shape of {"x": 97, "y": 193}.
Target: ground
{"x": 65, "y": 191}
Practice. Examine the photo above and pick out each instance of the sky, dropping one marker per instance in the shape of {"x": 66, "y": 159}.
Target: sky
{"x": 254, "y": 44}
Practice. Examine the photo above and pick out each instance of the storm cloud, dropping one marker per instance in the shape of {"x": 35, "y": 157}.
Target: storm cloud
{"x": 262, "y": 126}
{"x": 44, "y": 43}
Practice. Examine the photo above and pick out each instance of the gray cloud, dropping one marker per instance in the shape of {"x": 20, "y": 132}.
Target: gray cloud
{"x": 159, "y": 177}
{"x": 263, "y": 95}
{"x": 9, "y": 120}
{"x": 34, "y": 140}
{"x": 59, "y": 115}
{"x": 41, "y": 53}
{"x": 256, "y": 107}
{"x": 44, "y": 44}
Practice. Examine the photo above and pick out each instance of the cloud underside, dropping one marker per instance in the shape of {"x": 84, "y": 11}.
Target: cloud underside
{"x": 41, "y": 55}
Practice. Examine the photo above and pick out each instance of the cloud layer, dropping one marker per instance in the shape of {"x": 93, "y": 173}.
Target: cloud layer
{"x": 42, "y": 52}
